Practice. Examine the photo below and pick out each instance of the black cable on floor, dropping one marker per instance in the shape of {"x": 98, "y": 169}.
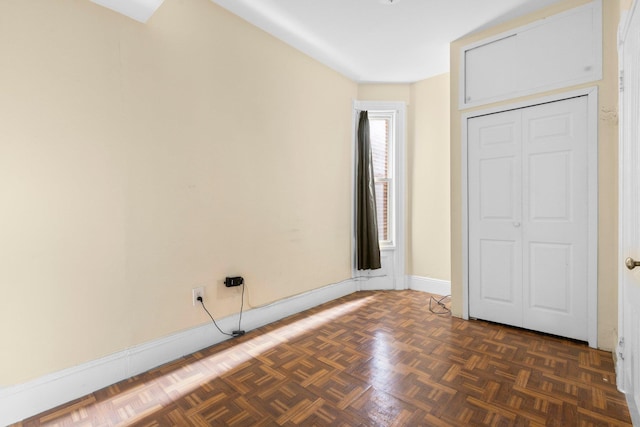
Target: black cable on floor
{"x": 442, "y": 310}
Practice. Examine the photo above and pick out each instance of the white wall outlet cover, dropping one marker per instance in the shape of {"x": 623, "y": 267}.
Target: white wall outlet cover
{"x": 195, "y": 293}
{"x": 140, "y": 10}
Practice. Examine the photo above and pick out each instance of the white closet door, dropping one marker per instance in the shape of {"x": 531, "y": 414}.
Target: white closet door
{"x": 495, "y": 243}
{"x": 528, "y": 217}
{"x": 555, "y": 231}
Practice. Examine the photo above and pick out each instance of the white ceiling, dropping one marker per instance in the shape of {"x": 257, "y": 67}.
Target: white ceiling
{"x": 140, "y": 10}
{"x": 390, "y": 41}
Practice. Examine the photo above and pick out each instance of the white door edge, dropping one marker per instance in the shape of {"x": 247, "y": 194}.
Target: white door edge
{"x": 626, "y": 355}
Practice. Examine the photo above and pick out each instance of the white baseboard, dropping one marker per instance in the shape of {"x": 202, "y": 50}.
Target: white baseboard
{"x": 633, "y": 410}
{"x": 426, "y": 284}
{"x": 620, "y": 375}
{"x": 25, "y": 400}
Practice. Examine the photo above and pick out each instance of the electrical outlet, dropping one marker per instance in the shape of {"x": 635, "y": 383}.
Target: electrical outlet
{"x": 195, "y": 293}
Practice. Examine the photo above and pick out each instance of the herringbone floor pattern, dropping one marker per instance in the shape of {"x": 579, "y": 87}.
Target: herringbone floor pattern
{"x": 368, "y": 359}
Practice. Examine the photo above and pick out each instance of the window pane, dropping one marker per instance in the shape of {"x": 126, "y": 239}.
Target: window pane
{"x": 379, "y": 134}
{"x": 382, "y": 208}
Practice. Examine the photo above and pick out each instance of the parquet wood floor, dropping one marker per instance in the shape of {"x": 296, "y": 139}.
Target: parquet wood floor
{"x": 368, "y": 359}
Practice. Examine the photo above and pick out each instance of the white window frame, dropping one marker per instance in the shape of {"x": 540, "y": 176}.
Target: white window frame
{"x": 392, "y": 115}
{"x": 397, "y": 248}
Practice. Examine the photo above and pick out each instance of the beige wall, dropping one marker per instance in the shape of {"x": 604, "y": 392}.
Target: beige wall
{"x": 140, "y": 161}
{"x": 607, "y": 165}
{"x": 428, "y": 201}
{"x": 385, "y": 92}
{"x": 427, "y": 171}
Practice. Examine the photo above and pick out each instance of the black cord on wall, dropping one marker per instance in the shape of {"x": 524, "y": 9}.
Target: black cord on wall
{"x": 212, "y": 319}
{"x": 239, "y": 331}
{"x": 241, "y": 307}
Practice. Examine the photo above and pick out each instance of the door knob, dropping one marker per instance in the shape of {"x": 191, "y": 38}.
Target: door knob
{"x": 516, "y": 224}
{"x": 631, "y": 263}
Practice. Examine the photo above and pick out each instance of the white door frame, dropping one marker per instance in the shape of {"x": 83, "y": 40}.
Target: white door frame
{"x": 592, "y": 261}
{"x": 397, "y": 252}
{"x": 627, "y": 348}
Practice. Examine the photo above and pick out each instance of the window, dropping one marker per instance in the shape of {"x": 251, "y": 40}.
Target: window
{"x": 382, "y": 131}
{"x": 386, "y": 135}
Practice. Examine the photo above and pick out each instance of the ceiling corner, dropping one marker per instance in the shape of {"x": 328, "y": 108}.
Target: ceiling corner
{"x": 140, "y": 10}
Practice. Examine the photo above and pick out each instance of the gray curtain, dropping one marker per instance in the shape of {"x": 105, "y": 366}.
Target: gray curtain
{"x": 367, "y": 245}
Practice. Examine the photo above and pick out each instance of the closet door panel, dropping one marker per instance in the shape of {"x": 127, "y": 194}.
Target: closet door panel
{"x": 528, "y": 217}
{"x": 555, "y": 206}
{"x": 495, "y": 247}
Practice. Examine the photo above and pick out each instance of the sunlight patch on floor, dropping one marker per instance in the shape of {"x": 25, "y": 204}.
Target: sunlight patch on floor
{"x": 179, "y": 382}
